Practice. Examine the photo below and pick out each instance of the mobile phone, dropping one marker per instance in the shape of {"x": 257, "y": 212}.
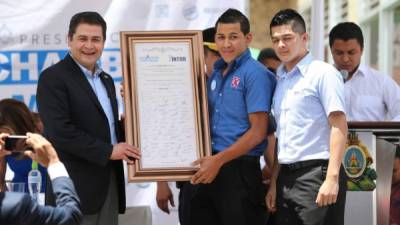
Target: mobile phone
{"x": 16, "y": 143}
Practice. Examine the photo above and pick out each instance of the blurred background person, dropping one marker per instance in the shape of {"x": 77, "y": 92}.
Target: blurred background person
{"x": 369, "y": 95}
{"x": 211, "y": 54}
{"x": 269, "y": 59}
{"x": 395, "y": 196}
{"x": 16, "y": 119}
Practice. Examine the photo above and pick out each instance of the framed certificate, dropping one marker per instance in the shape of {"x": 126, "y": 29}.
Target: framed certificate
{"x": 166, "y": 113}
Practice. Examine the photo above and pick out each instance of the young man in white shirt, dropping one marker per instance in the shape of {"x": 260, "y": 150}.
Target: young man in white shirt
{"x": 369, "y": 95}
{"x": 308, "y": 183}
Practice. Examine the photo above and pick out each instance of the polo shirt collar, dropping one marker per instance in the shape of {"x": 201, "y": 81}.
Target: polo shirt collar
{"x": 237, "y": 62}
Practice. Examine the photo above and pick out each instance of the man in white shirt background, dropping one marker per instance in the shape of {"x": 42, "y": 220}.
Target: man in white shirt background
{"x": 369, "y": 95}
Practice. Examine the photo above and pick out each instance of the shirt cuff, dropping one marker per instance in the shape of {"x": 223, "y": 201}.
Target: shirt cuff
{"x": 57, "y": 170}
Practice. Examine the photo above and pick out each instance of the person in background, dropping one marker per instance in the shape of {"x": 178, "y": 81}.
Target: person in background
{"x": 16, "y": 119}
{"x": 164, "y": 193}
{"x": 308, "y": 184}
{"x": 211, "y": 54}
{"x": 395, "y": 195}
{"x": 78, "y": 105}
{"x": 269, "y": 59}
{"x": 369, "y": 95}
{"x": 20, "y": 209}
{"x": 230, "y": 189}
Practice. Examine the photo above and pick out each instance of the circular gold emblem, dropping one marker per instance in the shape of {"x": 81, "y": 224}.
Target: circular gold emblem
{"x": 354, "y": 161}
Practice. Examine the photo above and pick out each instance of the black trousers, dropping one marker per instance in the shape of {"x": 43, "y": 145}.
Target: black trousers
{"x": 235, "y": 197}
{"x": 297, "y": 190}
{"x": 186, "y": 190}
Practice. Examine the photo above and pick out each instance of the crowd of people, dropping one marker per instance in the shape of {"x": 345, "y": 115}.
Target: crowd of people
{"x": 286, "y": 106}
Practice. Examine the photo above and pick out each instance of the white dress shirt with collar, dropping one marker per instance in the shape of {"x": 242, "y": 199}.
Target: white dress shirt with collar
{"x": 372, "y": 96}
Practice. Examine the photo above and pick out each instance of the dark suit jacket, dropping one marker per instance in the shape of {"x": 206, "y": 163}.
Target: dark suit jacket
{"x": 76, "y": 124}
{"x": 17, "y": 208}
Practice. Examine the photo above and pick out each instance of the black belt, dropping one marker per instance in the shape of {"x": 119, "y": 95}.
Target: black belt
{"x": 303, "y": 164}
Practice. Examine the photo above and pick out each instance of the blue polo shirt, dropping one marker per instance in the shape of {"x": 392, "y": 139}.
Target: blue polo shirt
{"x": 246, "y": 88}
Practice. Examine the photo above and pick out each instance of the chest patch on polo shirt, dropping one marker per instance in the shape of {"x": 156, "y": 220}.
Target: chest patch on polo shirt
{"x": 213, "y": 85}
{"x": 235, "y": 82}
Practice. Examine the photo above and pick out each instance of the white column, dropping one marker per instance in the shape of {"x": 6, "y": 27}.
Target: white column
{"x": 317, "y": 29}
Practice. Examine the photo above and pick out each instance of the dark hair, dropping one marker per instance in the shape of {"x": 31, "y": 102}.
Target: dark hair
{"x": 92, "y": 18}
{"x": 397, "y": 154}
{"x": 235, "y": 16}
{"x": 15, "y": 116}
{"x": 209, "y": 36}
{"x": 346, "y": 31}
{"x": 267, "y": 53}
{"x": 289, "y": 17}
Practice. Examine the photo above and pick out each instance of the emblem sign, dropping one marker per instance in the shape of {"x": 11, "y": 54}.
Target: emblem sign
{"x": 357, "y": 162}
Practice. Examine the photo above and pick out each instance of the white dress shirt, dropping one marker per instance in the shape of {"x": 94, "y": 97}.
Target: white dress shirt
{"x": 57, "y": 170}
{"x": 372, "y": 96}
{"x": 303, "y": 100}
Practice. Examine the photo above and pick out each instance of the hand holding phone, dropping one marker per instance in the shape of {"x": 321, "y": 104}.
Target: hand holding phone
{"x": 2, "y": 151}
{"x": 16, "y": 143}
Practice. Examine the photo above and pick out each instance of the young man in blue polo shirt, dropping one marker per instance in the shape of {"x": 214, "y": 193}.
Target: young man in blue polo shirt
{"x": 309, "y": 184}
{"x": 230, "y": 190}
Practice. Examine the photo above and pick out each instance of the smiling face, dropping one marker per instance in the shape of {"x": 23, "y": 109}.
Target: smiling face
{"x": 346, "y": 54}
{"x": 86, "y": 45}
{"x": 230, "y": 41}
{"x": 289, "y": 46}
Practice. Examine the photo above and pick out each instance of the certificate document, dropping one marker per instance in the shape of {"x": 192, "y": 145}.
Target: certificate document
{"x": 166, "y": 111}
{"x": 165, "y": 100}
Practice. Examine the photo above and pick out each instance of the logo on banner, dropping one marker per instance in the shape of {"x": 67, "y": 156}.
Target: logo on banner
{"x": 235, "y": 82}
{"x": 5, "y": 35}
{"x": 357, "y": 162}
{"x": 190, "y": 12}
{"x": 162, "y": 10}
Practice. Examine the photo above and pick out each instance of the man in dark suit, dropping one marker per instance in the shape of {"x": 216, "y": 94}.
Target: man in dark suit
{"x": 78, "y": 105}
{"x": 18, "y": 208}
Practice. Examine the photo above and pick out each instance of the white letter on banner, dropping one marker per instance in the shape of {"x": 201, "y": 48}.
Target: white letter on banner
{"x": 51, "y": 58}
{"x": 111, "y": 63}
{"x": 3, "y": 72}
{"x": 18, "y": 66}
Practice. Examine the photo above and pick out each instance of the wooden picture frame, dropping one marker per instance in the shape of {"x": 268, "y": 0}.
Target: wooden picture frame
{"x": 166, "y": 112}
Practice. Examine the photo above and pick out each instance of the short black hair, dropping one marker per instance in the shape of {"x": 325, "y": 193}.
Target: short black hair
{"x": 289, "y": 17}
{"x": 397, "y": 154}
{"x": 346, "y": 31}
{"x": 92, "y": 18}
{"x": 235, "y": 16}
{"x": 209, "y": 36}
{"x": 267, "y": 53}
